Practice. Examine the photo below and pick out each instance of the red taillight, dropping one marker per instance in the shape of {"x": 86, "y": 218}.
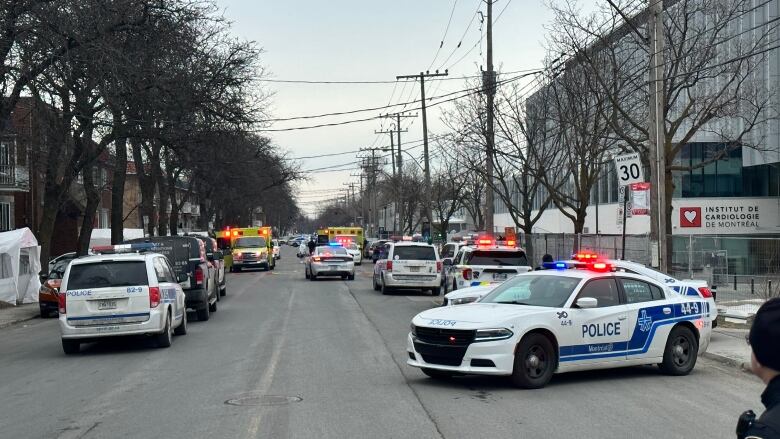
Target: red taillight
{"x": 600, "y": 267}
{"x": 154, "y": 297}
{"x": 705, "y": 292}
{"x": 438, "y": 266}
{"x": 467, "y": 273}
{"x": 316, "y": 258}
{"x": 485, "y": 242}
{"x": 511, "y": 243}
{"x": 389, "y": 266}
{"x": 199, "y": 276}
{"x": 61, "y": 302}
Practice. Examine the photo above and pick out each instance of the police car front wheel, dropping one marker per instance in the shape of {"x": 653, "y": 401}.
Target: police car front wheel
{"x": 534, "y": 362}
{"x": 681, "y": 351}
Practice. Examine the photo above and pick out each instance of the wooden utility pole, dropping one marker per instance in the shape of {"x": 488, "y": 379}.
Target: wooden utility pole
{"x": 656, "y": 137}
{"x": 400, "y": 163}
{"x": 489, "y": 85}
{"x": 427, "y": 189}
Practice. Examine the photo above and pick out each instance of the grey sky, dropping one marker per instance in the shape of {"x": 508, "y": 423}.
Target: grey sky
{"x": 359, "y": 40}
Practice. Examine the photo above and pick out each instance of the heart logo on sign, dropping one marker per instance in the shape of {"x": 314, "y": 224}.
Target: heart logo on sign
{"x": 690, "y": 217}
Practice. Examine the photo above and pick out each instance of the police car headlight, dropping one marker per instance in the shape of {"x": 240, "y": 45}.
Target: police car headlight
{"x": 493, "y": 334}
{"x": 464, "y": 300}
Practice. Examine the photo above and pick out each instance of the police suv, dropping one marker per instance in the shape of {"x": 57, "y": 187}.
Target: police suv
{"x": 560, "y": 320}
{"x": 120, "y": 293}
{"x": 485, "y": 263}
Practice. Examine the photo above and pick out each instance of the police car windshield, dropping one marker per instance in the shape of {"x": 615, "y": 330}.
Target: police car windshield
{"x": 250, "y": 242}
{"x": 534, "y": 290}
{"x": 107, "y": 274}
{"x": 414, "y": 253}
{"x": 497, "y": 257}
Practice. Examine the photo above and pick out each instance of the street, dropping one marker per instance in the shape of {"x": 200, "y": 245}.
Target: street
{"x": 288, "y": 358}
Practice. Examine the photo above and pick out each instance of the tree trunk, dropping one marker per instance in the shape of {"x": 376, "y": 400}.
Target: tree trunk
{"x": 529, "y": 245}
{"x": 162, "y": 195}
{"x": 88, "y": 222}
{"x": 147, "y": 189}
{"x": 118, "y": 190}
{"x": 51, "y": 197}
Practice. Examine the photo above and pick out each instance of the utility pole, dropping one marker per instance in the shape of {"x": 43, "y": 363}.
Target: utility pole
{"x": 370, "y": 166}
{"x": 400, "y": 165}
{"x": 427, "y": 189}
{"x": 657, "y": 142}
{"x": 489, "y": 84}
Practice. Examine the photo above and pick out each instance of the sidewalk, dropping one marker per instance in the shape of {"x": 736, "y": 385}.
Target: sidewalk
{"x": 729, "y": 346}
{"x": 10, "y": 315}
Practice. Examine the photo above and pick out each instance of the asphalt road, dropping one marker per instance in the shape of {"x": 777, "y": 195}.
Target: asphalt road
{"x": 287, "y": 358}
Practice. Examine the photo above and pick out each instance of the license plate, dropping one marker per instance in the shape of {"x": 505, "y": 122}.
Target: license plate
{"x": 414, "y": 269}
{"x": 106, "y": 304}
{"x": 499, "y": 276}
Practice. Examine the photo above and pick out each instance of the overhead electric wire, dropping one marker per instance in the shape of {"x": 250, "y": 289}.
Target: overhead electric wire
{"x": 443, "y": 38}
{"x": 460, "y": 41}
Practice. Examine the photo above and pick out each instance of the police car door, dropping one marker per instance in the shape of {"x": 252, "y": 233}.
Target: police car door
{"x": 647, "y": 312}
{"x": 167, "y": 284}
{"x": 595, "y": 335}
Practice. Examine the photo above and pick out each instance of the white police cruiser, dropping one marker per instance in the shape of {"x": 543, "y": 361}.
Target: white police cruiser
{"x": 483, "y": 264}
{"x": 467, "y": 295}
{"x": 120, "y": 293}
{"x": 561, "y": 320}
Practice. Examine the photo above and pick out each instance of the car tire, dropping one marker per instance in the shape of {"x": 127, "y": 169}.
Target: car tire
{"x": 351, "y": 277}
{"x": 306, "y": 272}
{"x": 436, "y": 291}
{"x": 385, "y": 290}
{"x": 437, "y": 374}
{"x": 204, "y": 314}
{"x": 223, "y": 291}
{"x": 312, "y": 277}
{"x": 71, "y": 347}
{"x": 165, "y": 338}
{"x": 376, "y": 285}
{"x": 680, "y": 352}
{"x": 535, "y": 362}
{"x": 182, "y": 328}
{"x": 213, "y": 306}
{"x": 45, "y": 313}
{"x": 343, "y": 277}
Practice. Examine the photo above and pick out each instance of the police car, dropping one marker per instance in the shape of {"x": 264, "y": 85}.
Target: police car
{"x": 486, "y": 263}
{"x": 127, "y": 290}
{"x": 467, "y": 295}
{"x": 688, "y": 287}
{"x": 561, "y": 320}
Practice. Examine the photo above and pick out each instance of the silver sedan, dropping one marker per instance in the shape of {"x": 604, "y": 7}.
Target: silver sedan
{"x": 330, "y": 261}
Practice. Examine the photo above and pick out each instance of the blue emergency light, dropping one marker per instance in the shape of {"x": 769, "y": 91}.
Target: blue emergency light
{"x": 334, "y": 244}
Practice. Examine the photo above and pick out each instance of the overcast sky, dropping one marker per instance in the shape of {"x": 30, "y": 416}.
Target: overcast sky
{"x": 350, "y": 40}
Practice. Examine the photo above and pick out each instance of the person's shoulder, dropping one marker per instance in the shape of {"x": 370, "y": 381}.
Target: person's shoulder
{"x": 762, "y": 430}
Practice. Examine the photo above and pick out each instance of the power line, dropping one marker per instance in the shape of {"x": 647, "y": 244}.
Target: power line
{"x": 443, "y": 38}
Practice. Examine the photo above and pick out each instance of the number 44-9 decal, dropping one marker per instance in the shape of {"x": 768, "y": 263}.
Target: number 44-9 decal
{"x": 690, "y": 308}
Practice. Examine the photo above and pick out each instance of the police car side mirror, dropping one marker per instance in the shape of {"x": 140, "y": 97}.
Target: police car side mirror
{"x": 587, "y": 302}
{"x": 182, "y": 277}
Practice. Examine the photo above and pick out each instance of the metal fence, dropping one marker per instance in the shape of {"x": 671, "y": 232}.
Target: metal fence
{"x": 744, "y": 270}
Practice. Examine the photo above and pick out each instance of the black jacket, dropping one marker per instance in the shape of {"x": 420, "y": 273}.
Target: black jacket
{"x": 768, "y": 425}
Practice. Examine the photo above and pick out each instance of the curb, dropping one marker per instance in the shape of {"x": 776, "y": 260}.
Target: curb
{"x": 741, "y": 365}
{"x": 19, "y": 320}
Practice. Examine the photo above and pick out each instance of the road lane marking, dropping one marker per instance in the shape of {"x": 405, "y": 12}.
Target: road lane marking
{"x": 266, "y": 379}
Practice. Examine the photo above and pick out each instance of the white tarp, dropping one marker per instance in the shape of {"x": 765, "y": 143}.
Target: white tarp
{"x": 20, "y": 263}
{"x": 103, "y": 236}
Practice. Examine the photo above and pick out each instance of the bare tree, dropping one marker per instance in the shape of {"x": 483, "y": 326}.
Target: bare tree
{"x": 713, "y": 88}
{"x": 447, "y": 190}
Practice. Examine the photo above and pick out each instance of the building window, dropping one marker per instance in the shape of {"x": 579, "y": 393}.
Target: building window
{"x": 103, "y": 222}
{"x": 5, "y": 217}
{"x": 6, "y": 163}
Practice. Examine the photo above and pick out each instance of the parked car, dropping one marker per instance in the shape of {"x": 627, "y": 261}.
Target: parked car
{"x": 187, "y": 255}
{"x": 48, "y": 294}
{"x": 409, "y": 265}
{"x": 276, "y": 249}
{"x": 355, "y": 252}
{"x": 110, "y": 295}
{"x": 216, "y": 257}
{"x": 379, "y": 250}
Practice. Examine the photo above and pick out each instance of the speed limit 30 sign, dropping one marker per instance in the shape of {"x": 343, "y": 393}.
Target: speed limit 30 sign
{"x": 629, "y": 169}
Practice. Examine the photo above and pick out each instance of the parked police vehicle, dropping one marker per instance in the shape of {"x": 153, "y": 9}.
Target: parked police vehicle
{"x": 559, "y": 320}
{"x": 485, "y": 263}
{"x": 187, "y": 255}
{"x": 116, "y": 294}
{"x": 409, "y": 265}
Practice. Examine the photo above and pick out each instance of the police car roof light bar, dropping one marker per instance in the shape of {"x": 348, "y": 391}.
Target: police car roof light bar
{"x": 125, "y": 248}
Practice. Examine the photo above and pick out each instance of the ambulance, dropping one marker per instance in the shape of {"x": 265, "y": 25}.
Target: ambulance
{"x": 249, "y": 247}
